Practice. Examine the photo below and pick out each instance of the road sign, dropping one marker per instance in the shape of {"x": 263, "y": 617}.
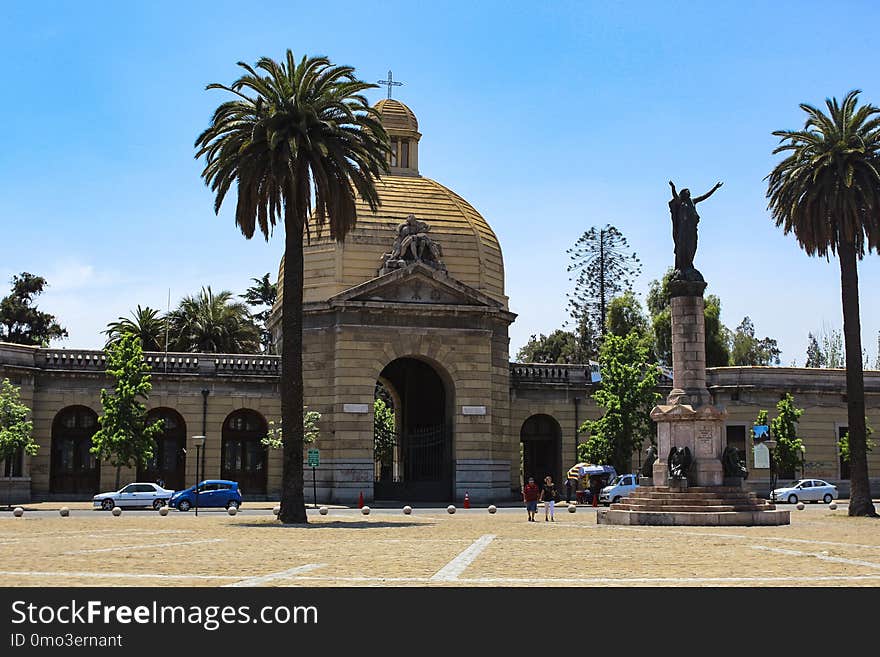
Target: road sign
{"x": 314, "y": 458}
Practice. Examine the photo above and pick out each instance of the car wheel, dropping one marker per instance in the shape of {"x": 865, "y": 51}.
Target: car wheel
{"x": 792, "y": 499}
{"x": 616, "y": 499}
{"x": 232, "y": 503}
{"x": 183, "y": 505}
{"x": 158, "y": 504}
{"x": 107, "y": 505}
{"x": 828, "y": 498}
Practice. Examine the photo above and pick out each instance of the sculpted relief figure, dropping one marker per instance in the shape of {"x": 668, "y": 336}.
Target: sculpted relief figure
{"x": 684, "y": 229}
{"x": 412, "y": 244}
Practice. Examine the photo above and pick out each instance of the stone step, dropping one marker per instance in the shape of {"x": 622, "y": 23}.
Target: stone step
{"x": 685, "y": 508}
{"x": 691, "y": 502}
{"x": 694, "y": 489}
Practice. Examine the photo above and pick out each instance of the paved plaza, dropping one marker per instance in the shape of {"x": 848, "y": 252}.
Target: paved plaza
{"x": 430, "y": 547}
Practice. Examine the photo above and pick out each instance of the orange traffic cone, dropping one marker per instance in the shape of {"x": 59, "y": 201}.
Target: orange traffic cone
{"x": 467, "y": 501}
{"x": 361, "y": 500}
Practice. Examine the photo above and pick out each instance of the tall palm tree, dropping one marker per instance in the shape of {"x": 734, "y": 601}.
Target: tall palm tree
{"x": 297, "y": 136}
{"x": 146, "y": 323}
{"x": 213, "y": 323}
{"x": 262, "y": 293}
{"x": 827, "y": 191}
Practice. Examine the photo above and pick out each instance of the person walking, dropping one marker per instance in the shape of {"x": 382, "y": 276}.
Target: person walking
{"x": 531, "y": 493}
{"x": 568, "y": 491}
{"x": 548, "y": 495}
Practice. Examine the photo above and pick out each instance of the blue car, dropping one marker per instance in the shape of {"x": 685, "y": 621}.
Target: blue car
{"x": 219, "y": 493}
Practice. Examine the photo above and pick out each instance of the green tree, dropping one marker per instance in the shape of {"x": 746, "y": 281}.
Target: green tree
{"x": 558, "y": 347}
{"x": 146, "y": 323}
{"x": 214, "y": 324}
{"x": 627, "y": 392}
{"x": 384, "y": 433}
{"x": 789, "y": 452}
{"x": 20, "y": 321}
{"x": 749, "y": 350}
{"x": 660, "y": 308}
{"x": 274, "y": 438}
{"x": 815, "y": 355}
{"x": 262, "y": 294}
{"x": 124, "y": 437}
{"x": 827, "y": 191}
{"x": 605, "y": 268}
{"x": 296, "y": 137}
{"x": 16, "y": 430}
{"x": 625, "y": 315}
{"x": 843, "y": 443}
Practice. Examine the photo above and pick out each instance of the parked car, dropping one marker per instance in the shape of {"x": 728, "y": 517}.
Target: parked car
{"x": 220, "y": 493}
{"x": 805, "y": 490}
{"x": 620, "y": 486}
{"x": 133, "y": 495}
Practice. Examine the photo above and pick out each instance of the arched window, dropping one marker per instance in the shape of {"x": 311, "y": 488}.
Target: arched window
{"x": 73, "y": 468}
{"x": 243, "y": 455}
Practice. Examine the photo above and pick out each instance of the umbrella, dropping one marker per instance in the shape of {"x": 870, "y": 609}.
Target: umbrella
{"x": 575, "y": 471}
{"x": 598, "y": 469}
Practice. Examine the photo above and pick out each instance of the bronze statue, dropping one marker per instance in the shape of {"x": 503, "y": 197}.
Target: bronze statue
{"x": 412, "y": 245}
{"x": 647, "y": 469}
{"x": 733, "y": 466}
{"x": 684, "y": 227}
{"x": 679, "y": 462}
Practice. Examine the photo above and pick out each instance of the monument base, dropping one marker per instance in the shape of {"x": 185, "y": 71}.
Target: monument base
{"x": 700, "y": 430}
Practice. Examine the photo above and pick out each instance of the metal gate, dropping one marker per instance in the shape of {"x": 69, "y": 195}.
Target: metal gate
{"x": 425, "y": 472}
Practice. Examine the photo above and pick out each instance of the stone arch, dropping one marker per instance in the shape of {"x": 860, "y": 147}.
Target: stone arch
{"x": 73, "y": 469}
{"x": 168, "y": 465}
{"x": 243, "y": 458}
{"x": 541, "y": 438}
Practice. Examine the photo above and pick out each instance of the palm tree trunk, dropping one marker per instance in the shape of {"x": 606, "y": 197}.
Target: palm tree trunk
{"x": 860, "y": 489}
{"x": 293, "y": 508}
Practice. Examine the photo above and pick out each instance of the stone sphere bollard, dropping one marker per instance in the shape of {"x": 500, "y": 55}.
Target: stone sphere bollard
{"x": 491, "y": 508}
{"x": 18, "y": 512}
{"x": 64, "y": 511}
{"x": 832, "y": 506}
{"x": 232, "y": 510}
{"x": 116, "y": 511}
{"x": 450, "y": 509}
{"x": 800, "y": 506}
{"x": 276, "y": 510}
{"x": 572, "y": 508}
{"x": 365, "y": 510}
{"x": 163, "y": 510}
{"x": 323, "y": 510}
{"x": 407, "y": 510}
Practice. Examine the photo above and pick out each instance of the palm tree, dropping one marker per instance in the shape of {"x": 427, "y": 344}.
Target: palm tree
{"x": 827, "y": 191}
{"x": 305, "y": 138}
{"x": 213, "y": 323}
{"x": 263, "y": 293}
{"x": 146, "y": 323}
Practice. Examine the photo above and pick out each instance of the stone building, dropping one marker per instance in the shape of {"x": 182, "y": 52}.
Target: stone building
{"x": 412, "y": 303}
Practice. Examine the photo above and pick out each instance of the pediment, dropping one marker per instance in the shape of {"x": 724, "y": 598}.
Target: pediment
{"x": 416, "y": 284}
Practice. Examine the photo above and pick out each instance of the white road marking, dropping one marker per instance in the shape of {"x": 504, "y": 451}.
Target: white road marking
{"x": 823, "y": 557}
{"x": 62, "y": 575}
{"x": 585, "y": 581}
{"x": 451, "y": 571}
{"x": 120, "y": 548}
{"x": 284, "y": 574}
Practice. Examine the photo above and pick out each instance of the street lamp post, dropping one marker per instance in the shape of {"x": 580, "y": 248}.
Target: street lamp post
{"x": 199, "y": 442}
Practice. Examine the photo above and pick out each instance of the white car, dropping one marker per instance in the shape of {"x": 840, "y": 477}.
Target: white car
{"x": 137, "y": 494}
{"x": 805, "y": 490}
{"x": 620, "y": 486}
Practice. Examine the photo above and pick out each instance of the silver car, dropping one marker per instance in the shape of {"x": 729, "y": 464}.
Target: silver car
{"x": 136, "y": 494}
{"x": 805, "y": 490}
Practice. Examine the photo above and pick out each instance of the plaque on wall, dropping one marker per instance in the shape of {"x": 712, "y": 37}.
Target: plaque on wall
{"x": 473, "y": 410}
{"x": 356, "y": 408}
{"x": 761, "y": 456}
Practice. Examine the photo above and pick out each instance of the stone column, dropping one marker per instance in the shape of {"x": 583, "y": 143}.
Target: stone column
{"x": 688, "y": 419}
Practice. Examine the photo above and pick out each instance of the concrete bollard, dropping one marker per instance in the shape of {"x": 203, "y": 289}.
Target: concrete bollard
{"x": 64, "y": 511}
{"x": 276, "y": 510}
{"x": 407, "y": 510}
{"x": 450, "y": 509}
{"x": 491, "y": 508}
{"x": 323, "y": 510}
{"x": 232, "y": 510}
{"x": 800, "y": 506}
{"x": 832, "y": 506}
{"x": 365, "y": 510}
{"x": 116, "y": 511}
{"x": 572, "y": 508}
{"x": 163, "y": 510}
{"x": 18, "y": 512}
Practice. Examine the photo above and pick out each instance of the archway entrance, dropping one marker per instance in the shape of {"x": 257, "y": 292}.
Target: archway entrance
{"x": 418, "y": 466}
{"x": 243, "y": 455}
{"x": 168, "y": 465}
{"x": 541, "y": 438}
{"x": 74, "y": 469}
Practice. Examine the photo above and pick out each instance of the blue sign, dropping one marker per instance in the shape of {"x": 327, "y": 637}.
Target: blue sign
{"x": 761, "y": 432}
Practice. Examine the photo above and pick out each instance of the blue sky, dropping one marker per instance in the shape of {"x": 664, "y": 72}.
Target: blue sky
{"x": 549, "y": 118}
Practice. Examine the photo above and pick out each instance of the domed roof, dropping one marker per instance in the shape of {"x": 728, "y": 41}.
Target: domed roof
{"x": 396, "y": 116}
{"x": 471, "y": 251}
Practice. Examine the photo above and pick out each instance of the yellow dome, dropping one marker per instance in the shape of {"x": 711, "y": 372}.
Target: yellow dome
{"x": 471, "y": 251}
{"x": 396, "y": 116}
